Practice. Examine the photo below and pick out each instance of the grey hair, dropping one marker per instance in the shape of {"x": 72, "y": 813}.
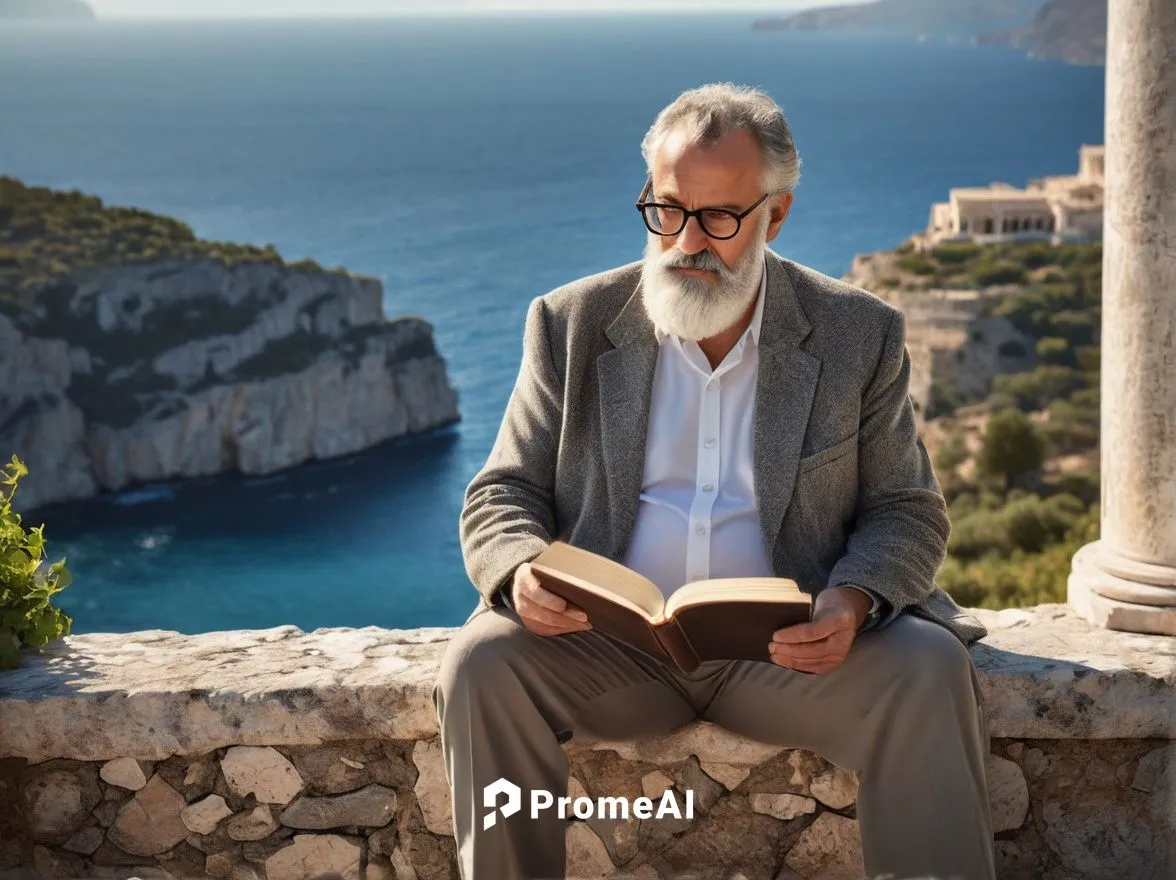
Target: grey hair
{"x": 714, "y": 111}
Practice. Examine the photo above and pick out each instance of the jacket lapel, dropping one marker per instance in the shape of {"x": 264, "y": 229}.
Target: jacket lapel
{"x": 624, "y": 378}
{"x": 785, "y": 388}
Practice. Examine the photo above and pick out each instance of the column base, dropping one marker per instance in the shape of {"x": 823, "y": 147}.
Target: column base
{"x": 1097, "y": 595}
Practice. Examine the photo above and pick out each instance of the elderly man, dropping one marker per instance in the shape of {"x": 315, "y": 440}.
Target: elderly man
{"x": 716, "y": 410}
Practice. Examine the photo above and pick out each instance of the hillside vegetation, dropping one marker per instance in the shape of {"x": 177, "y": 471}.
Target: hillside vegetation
{"x": 1019, "y": 467}
{"x": 46, "y": 234}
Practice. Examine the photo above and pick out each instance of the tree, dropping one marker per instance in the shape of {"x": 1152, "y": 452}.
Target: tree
{"x": 1012, "y": 447}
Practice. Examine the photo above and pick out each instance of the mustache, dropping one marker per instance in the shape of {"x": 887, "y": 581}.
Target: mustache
{"x": 676, "y": 259}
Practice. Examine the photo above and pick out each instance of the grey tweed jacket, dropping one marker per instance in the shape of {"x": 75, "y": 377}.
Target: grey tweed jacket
{"x": 844, "y": 486}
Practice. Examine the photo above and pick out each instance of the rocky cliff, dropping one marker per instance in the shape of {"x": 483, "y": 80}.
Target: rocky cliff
{"x": 903, "y": 15}
{"x": 1063, "y": 30}
{"x": 167, "y": 367}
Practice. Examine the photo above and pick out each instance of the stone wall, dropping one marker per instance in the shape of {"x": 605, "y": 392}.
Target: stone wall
{"x": 283, "y": 754}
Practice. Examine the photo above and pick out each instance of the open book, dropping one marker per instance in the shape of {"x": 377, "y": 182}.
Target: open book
{"x": 715, "y": 619}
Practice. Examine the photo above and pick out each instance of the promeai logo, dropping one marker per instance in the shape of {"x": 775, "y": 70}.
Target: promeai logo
{"x": 514, "y": 801}
{"x": 581, "y": 807}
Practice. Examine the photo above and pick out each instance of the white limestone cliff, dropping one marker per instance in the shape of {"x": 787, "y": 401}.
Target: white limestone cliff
{"x": 156, "y": 371}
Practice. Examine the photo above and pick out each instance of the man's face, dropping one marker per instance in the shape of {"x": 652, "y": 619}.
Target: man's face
{"x": 729, "y": 175}
{"x": 697, "y": 286}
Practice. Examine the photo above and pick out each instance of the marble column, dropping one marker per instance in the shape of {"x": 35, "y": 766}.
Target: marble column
{"x": 1127, "y": 579}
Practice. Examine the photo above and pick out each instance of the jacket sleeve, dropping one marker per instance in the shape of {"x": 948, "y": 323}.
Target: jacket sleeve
{"x": 901, "y": 531}
{"x": 508, "y": 515}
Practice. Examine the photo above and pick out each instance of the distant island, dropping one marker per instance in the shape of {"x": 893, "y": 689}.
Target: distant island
{"x": 1074, "y": 31}
{"x": 58, "y": 10}
{"x": 911, "y": 16}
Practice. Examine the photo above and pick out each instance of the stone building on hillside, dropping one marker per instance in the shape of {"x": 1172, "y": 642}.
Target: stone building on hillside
{"x": 1054, "y": 209}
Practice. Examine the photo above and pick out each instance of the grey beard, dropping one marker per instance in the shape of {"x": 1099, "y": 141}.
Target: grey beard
{"x": 693, "y": 308}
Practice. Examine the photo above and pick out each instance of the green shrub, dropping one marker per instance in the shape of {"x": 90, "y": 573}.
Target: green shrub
{"x": 952, "y": 453}
{"x": 1037, "y": 255}
{"x": 1033, "y": 523}
{"x": 27, "y": 586}
{"x": 989, "y": 272}
{"x": 977, "y": 534}
{"x": 916, "y": 264}
{"x": 1083, "y": 485}
{"x": 1072, "y": 426}
{"x": 946, "y": 397}
{"x": 962, "y": 505}
{"x": 1039, "y": 388}
{"x": 1012, "y": 447}
{"x": 955, "y": 254}
{"x": 1055, "y": 350}
{"x": 1087, "y": 399}
{"x": 1077, "y": 325}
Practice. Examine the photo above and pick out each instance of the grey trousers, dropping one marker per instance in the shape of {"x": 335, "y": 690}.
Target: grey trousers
{"x": 903, "y": 710}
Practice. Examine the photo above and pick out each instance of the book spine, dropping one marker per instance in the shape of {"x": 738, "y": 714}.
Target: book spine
{"x": 674, "y": 642}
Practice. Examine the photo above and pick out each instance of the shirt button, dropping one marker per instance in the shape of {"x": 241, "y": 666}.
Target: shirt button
{"x": 700, "y": 529}
{"x": 708, "y": 488}
{"x": 710, "y": 442}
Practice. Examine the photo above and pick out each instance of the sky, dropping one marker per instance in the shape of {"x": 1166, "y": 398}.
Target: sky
{"x": 286, "y": 8}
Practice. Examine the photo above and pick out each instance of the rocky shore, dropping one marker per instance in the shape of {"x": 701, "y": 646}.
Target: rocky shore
{"x": 158, "y": 369}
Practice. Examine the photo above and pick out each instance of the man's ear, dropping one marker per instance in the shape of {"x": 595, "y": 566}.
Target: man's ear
{"x": 781, "y": 205}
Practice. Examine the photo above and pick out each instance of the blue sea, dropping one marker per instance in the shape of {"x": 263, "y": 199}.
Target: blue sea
{"x": 470, "y": 163}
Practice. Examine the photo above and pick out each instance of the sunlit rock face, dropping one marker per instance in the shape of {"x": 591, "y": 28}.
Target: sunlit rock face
{"x": 155, "y": 371}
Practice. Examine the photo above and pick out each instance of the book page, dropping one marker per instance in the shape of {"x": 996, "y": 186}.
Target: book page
{"x": 601, "y": 575}
{"x": 741, "y": 589}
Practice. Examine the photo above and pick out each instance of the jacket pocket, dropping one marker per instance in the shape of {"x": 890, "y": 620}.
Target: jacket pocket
{"x": 829, "y": 453}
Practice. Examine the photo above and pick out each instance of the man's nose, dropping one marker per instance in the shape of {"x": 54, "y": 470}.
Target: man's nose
{"x": 692, "y": 240}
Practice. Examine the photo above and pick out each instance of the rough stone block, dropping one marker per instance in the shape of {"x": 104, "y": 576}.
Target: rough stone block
{"x": 124, "y": 772}
{"x": 373, "y": 806}
{"x": 150, "y": 823}
{"x": 262, "y": 772}
{"x": 829, "y": 849}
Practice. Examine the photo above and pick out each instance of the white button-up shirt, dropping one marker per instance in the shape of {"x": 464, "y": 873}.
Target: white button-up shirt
{"x": 697, "y": 515}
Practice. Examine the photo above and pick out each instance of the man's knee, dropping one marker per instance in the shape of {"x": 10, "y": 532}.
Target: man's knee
{"x": 477, "y": 654}
{"x": 918, "y": 650}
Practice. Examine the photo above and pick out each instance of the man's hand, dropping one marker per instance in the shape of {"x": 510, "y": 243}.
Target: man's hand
{"x": 823, "y": 643}
{"x": 543, "y": 612}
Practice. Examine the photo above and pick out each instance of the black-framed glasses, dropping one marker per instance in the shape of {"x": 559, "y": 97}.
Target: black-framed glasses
{"x": 664, "y": 219}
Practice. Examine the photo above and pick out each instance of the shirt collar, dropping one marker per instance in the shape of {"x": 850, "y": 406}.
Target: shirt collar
{"x": 757, "y": 317}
